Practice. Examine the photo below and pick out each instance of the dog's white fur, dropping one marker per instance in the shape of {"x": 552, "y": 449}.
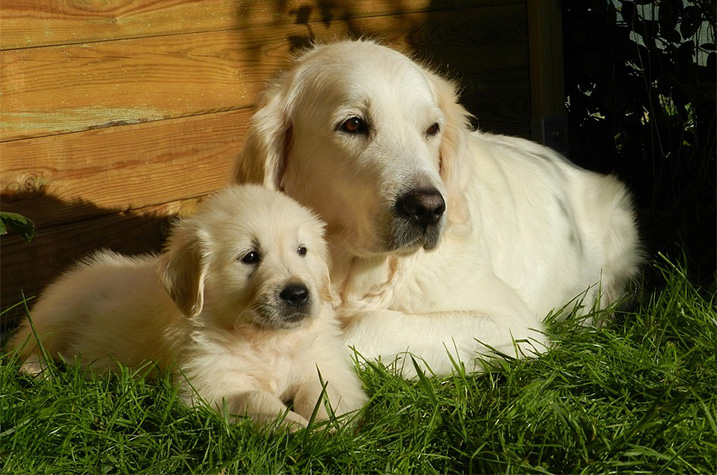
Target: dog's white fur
{"x": 524, "y": 233}
{"x": 226, "y": 327}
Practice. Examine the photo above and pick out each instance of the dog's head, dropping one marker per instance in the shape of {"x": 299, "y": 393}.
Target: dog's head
{"x": 248, "y": 255}
{"x": 370, "y": 140}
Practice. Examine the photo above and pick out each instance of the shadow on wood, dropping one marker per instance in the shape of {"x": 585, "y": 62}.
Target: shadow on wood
{"x": 28, "y": 267}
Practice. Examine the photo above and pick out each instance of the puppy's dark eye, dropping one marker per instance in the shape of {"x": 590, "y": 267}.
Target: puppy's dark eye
{"x": 251, "y": 258}
{"x": 354, "y": 125}
{"x": 301, "y": 251}
{"x": 433, "y": 129}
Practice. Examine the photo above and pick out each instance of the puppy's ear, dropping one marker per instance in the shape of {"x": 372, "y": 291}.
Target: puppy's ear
{"x": 320, "y": 247}
{"x": 182, "y": 269}
{"x": 455, "y": 161}
{"x": 262, "y": 159}
{"x": 325, "y": 292}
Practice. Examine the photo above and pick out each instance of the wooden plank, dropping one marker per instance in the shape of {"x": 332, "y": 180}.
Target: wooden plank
{"x": 30, "y": 267}
{"x": 547, "y": 89}
{"x": 500, "y": 101}
{"x": 70, "y": 88}
{"x": 75, "y": 176}
{"x": 489, "y": 59}
{"x": 65, "y": 89}
{"x": 33, "y": 23}
{"x": 546, "y": 58}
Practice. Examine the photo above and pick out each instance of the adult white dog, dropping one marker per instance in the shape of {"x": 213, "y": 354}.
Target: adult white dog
{"x": 442, "y": 239}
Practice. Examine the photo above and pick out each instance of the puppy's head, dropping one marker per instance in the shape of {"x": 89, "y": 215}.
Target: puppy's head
{"x": 249, "y": 255}
{"x": 370, "y": 140}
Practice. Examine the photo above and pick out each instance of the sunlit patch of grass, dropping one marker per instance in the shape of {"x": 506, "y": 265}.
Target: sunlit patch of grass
{"x": 634, "y": 395}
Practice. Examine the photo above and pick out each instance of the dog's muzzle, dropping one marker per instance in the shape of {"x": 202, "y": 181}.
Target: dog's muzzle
{"x": 418, "y": 218}
{"x": 294, "y": 302}
{"x": 285, "y": 307}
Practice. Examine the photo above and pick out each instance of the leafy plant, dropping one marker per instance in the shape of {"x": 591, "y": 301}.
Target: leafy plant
{"x": 640, "y": 80}
{"x": 18, "y": 224}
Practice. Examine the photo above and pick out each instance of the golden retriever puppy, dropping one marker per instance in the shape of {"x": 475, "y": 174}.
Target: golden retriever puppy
{"x": 238, "y": 305}
{"x": 443, "y": 238}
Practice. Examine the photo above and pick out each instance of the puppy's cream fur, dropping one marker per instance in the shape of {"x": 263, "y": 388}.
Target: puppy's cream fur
{"x": 214, "y": 308}
{"x": 354, "y": 127}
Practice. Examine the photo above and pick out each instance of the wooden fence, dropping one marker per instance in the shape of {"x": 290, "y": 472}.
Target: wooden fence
{"x": 116, "y": 115}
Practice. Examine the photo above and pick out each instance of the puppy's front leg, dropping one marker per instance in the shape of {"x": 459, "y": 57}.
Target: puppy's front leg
{"x": 264, "y": 408}
{"x": 308, "y": 395}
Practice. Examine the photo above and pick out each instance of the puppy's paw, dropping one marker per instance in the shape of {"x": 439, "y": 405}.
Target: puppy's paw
{"x": 290, "y": 422}
{"x": 31, "y": 369}
{"x": 33, "y": 366}
{"x": 293, "y": 422}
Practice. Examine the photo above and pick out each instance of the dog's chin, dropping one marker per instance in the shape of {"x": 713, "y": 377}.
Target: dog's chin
{"x": 275, "y": 316}
{"x": 283, "y": 321}
{"x": 393, "y": 247}
{"x": 399, "y": 239}
{"x": 405, "y": 239}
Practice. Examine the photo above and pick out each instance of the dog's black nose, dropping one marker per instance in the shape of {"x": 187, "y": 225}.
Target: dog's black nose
{"x": 295, "y": 295}
{"x": 422, "y": 207}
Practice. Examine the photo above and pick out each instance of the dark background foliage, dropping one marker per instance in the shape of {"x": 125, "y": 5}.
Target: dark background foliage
{"x": 640, "y": 81}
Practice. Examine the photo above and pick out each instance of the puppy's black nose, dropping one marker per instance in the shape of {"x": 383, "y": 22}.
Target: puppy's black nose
{"x": 422, "y": 207}
{"x": 295, "y": 295}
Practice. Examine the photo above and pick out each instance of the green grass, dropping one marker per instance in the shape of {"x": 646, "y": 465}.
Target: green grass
{"x": 637, "y": 395}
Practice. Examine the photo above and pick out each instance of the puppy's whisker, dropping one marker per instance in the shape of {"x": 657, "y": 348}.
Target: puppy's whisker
{"x": 245, "y": 318}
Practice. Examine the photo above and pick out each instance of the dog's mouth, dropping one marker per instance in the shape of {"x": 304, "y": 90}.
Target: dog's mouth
{"x": 276, "y": 318}
{"x": 406, "y": 239}
{"x": 293, "y": 320}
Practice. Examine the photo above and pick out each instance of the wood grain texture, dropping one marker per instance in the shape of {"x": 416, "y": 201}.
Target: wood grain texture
{"x": 70, "y": 88}
{"x": 33, "y": 23}
{"x": 28, "y": 268}
{"x": 64, "y": 89}
{"x": 120, "y": 168}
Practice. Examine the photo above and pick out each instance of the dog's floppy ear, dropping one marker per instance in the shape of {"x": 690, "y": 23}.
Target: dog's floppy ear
{"x": 263, "y": 155}
{"x": 455, "y": 163}
{"x": 182, "y": 269}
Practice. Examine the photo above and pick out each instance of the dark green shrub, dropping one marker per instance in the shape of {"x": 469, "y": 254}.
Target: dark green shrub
{"x": 640, "y": 79}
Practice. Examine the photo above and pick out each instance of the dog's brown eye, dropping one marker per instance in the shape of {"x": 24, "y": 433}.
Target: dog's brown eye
{"x": 354, "y": 125}
{"x": 433, "y": 129}
{"x": 301, "y": 251}
{"x": 251, "y": 258}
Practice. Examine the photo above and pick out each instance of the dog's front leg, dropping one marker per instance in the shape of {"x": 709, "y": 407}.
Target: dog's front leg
{"x": 265, "y": 408}
{"x": 439, "y": 340}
